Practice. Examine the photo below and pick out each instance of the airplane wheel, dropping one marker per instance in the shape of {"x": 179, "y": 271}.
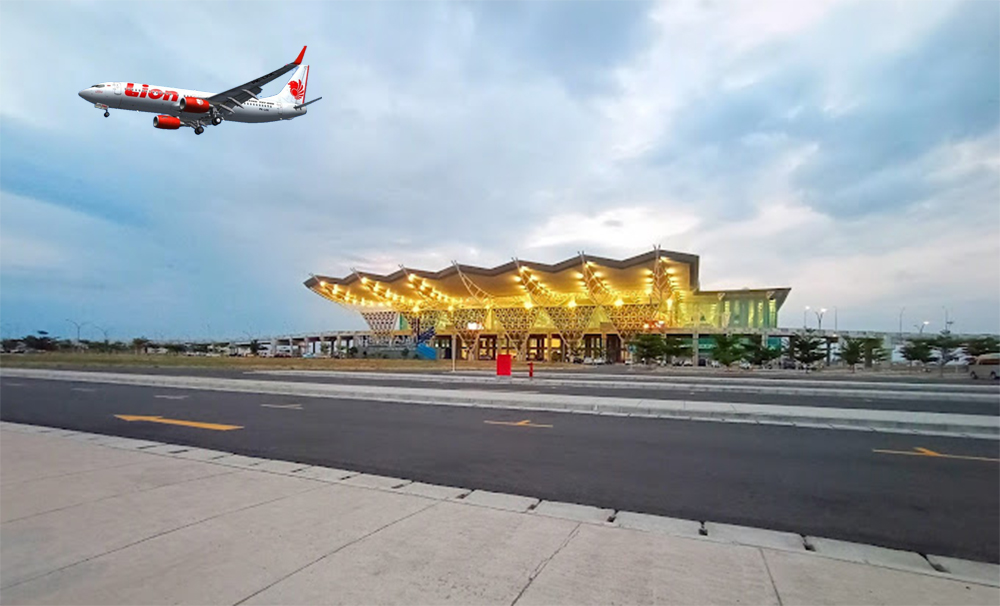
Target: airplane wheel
{"x": 216, "y": 121}
{"x": 199, "y": 130}
{"x": 107, "y": 114}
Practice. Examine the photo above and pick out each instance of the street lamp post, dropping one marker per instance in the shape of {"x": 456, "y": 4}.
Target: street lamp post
{"x": 901, "y": 310}
{"x": 78, "y": 325}
{"x": 921, "y": 326}
{"x": 819, "y": 318}
{"x": 804, "y": 317}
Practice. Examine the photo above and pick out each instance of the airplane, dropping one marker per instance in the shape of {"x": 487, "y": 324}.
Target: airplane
{"x": 177, "y": 107}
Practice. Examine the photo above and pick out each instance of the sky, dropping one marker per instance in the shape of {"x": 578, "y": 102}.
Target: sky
{"x": 848, "y": 150}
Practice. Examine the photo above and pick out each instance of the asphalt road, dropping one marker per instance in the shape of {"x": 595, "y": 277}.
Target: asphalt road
{"x": 820, "y": 482}
{"x": 704, "y": 394}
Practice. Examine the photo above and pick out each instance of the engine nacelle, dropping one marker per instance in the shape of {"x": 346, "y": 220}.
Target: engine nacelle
{"x": 167, "y": 122}
{"x": 194, "y": 105}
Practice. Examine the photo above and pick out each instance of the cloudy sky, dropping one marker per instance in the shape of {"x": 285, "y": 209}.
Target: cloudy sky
{"x": 850, "y": 150}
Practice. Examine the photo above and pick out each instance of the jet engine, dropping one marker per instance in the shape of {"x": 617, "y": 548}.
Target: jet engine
{"x": 194, "y": 105}
{"x": 167, "y": 122}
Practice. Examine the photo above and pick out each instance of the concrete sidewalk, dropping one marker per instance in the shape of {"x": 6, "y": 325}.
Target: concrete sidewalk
{"x": 90, "y": 519}
{"x": 929, "y": 423}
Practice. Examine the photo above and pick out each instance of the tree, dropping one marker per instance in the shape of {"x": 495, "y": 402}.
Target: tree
{"x": 647, "y": 346}
{"x": 852, "y": 351}
{"x": 805, "y": 348}
{"x": 675, "y": 347}
{"x": 918, "y": 350}
{"x": 324, "y": 348}
{"x": 982, "y": 345}
{"x": 873, "y": 351}
{"x": 946, "y": 346}
{"x": 254, "y": 347}
{"x": 759, "y": 354}
{"x": 727, "y": 349}
{"x": 140, "y": 344}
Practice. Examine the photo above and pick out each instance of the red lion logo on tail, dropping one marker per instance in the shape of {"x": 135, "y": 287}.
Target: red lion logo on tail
{"x": 297, "y": 90}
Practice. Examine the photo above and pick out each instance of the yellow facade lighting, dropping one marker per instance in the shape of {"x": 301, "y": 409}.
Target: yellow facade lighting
{"x": 528, "y": 305}
{"x": 411, "y": 277}
{"x": 572, "y": 303}
{"x": 517, "y": 278}
{"x": 619, "y": 303}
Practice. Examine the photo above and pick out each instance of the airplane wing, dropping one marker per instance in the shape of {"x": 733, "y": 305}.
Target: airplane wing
{"x": 239, "y": 95}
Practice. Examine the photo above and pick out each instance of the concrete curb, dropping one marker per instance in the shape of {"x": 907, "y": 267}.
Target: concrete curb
{"x": 805, "y": 387}
{"x": 956, "y": 425}
{"x": 983, "y": 573}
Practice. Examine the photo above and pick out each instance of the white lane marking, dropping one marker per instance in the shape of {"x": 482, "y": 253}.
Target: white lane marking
{"x": 6, "y": 384}
{"x": 162, "y": 397}
{"x": 286, "y": 406}
{"x": 87, "y": 389}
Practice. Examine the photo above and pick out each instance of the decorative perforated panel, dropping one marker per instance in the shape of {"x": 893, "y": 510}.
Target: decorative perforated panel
{"x": 382, "y": 323}
{"x": 571, "y": 322}
{"x": 516, "y": 323}
{"x": 468, "y": 323}
{"x": 630, "y": 320}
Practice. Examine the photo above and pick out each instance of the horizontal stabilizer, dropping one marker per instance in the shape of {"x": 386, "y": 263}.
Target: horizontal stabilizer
{"x": 301, "y": 105}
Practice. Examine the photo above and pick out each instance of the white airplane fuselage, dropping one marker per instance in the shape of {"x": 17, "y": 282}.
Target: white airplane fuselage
{"x": 164, "y": 100}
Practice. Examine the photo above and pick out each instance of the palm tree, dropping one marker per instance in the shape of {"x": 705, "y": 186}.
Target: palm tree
{"x": 727, "y": 349}
{"x": 852, "y": 351}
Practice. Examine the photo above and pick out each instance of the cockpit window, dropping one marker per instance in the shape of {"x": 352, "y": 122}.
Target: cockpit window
{"x": 97, "y": 86}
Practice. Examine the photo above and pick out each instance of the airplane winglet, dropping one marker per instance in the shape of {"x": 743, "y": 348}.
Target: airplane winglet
{"x": 302, "y": 54}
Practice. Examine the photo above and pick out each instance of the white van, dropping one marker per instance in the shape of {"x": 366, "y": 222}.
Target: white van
{"x": 985, "y": 366}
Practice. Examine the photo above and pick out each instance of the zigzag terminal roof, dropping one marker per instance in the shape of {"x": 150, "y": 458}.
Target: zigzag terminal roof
{"x": 521, "y": 282}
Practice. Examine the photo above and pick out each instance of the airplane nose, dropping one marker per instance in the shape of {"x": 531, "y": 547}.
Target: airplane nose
{"x": 82, "y": 95}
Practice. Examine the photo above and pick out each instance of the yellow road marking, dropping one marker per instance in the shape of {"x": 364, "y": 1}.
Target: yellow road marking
{"x": 923, "y": 452}
{"x": 199, "y": 425}
{"x": 524, "y": 423}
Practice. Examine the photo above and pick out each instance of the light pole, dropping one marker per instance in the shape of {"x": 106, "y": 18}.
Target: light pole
{"x": 836, "y": 326}
{"x": 901, "y": 310}
{"x": 804, "y": 318}
{"x": 947, "y": 321}
{"x": 105, "y": 331}
{"x": 819, "y": 317}
{"x": 921, "y": 326}
{"x": 78, "y": 325}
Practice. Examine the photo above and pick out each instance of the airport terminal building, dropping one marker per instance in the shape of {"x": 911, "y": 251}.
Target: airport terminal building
{"x": 585, "y": 306}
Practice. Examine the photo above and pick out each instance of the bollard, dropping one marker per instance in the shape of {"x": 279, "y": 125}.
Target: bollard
{"x": 531, "y": 369}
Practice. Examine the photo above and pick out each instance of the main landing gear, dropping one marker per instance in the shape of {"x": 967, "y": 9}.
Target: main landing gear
{"x": 107, "y": 114}
{"x": 198, "y": 130}
{"x": 217, "y": 120}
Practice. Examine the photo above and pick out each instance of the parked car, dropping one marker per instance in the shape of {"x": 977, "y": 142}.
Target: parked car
{"x": 985, "y": 366}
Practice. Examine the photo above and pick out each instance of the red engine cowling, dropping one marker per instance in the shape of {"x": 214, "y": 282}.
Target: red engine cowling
{"x": 194, "y": 105}
{"x": 167, "y": 122}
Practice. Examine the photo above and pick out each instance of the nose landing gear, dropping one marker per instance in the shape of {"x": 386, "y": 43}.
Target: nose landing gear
{"x": 107, "y": 114}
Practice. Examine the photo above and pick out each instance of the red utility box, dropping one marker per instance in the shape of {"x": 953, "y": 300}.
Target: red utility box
{"x": 503, "y": 365}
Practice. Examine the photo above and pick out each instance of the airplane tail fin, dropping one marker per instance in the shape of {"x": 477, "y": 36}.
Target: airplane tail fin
{"x": 295, "y": 89}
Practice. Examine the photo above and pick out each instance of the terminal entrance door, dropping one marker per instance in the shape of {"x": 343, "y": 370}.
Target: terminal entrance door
{"x": 614, "y": 353}
{"x": 488, "y": 347}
